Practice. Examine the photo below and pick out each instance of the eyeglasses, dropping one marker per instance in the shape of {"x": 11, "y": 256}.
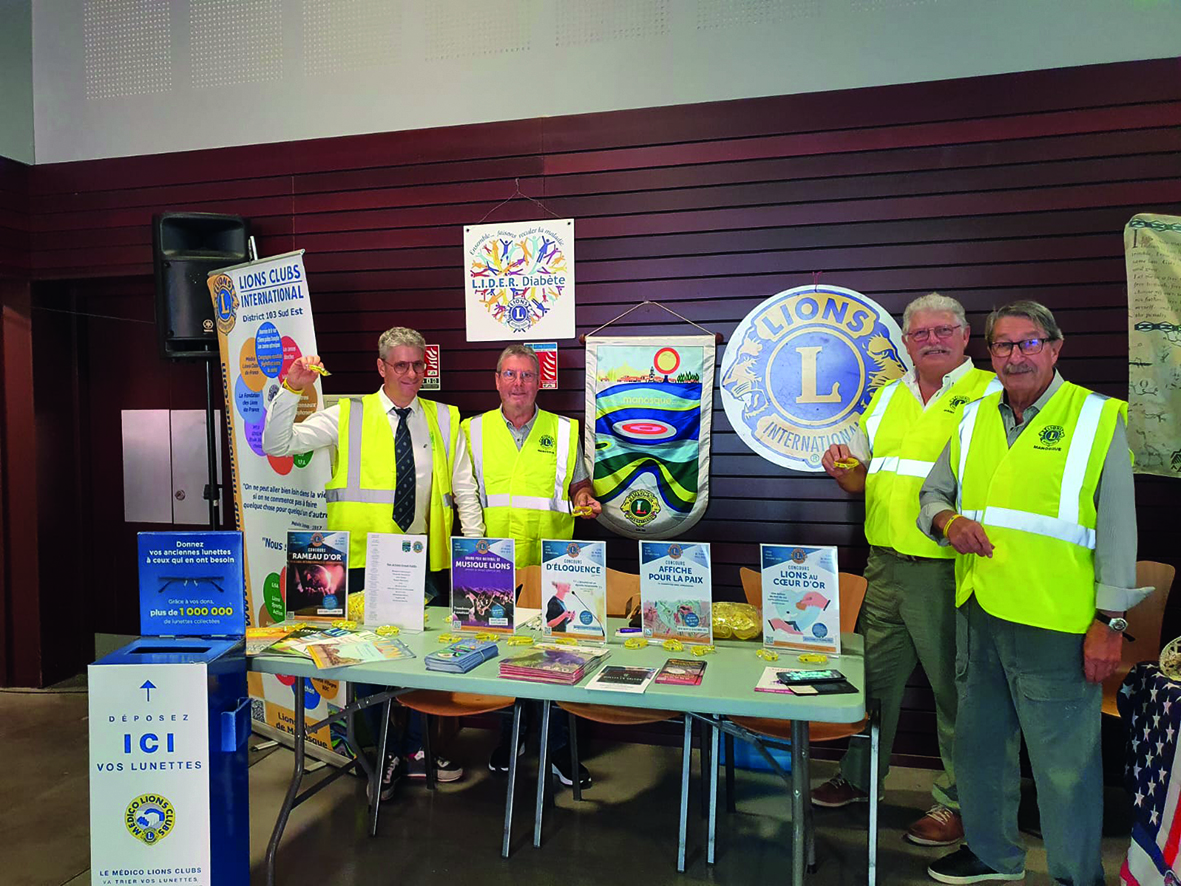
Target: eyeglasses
{"x": 1028, "y": 346}
{"x": 402, "y": 367}
{"x": 940, "y": 332}
{"x": 512, "y": 374}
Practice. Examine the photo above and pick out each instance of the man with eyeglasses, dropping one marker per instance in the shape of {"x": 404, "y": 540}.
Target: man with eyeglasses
{"x": 908, "y": 617}
{"x": 1034, "y": 493}
{"x": 400, "y": 462}
{"x": 531, "y": 477}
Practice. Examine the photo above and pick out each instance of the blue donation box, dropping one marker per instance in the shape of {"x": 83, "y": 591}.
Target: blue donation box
{"x": 170, "y": 721}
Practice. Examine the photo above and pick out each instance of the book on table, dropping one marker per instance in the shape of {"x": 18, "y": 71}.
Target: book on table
{"x": 681, "y": 672}
{"x": 461, "y": 657}
{"x": 620, "y": 678}
{"x": 554, "y": 663}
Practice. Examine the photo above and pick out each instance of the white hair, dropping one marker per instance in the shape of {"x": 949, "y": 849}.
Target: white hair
{"x": 397, "y": 337}
{"x": 934, "y": 302}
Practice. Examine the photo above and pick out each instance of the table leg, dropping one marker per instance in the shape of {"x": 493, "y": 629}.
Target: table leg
{"x": 874, "y": 728}
{"x": 686, "y": 755}
{"x": 512, "y": 780}
{"x": 378, "y": 770}
{"x": 575, "y": 762}
{"x": 731, "y": 800}
{"x": 542, "y": 770}
{"x": 713, "y": 791}
{"x": 299, "y": 734}
{"x": 428, "y": 755}
{"x": 799, "y": 784}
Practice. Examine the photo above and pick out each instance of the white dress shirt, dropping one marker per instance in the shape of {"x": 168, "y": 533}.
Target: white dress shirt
{"x": 859, "y": 446}
{"x": 282, "y": 436}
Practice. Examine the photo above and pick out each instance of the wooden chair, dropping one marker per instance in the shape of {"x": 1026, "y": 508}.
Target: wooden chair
{"x": 852, "y": 595}
{"x": 1144, "y": 623}
{"x": 435, "y": 703}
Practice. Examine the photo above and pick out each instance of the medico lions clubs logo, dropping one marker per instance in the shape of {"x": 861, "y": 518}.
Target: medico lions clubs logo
{"x": 149, "y": 818}
{"x": 225, "y": 302}
{"x": 802, "y": 367}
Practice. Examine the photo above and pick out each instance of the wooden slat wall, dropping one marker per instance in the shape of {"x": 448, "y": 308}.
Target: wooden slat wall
{"x": 14, "y": 218}
{"x": 987, "y": 189}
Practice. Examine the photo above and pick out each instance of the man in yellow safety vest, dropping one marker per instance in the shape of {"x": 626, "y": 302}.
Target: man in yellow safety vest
{"x": 908, "y": 616}
{"x": 400, "y": 466}
{"x": 1034, "y": 493}
{"x": 530, "y": 475}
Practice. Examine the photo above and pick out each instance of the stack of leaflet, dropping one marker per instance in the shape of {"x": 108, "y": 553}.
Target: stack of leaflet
{"x": 461, "y": 657}
{"x": 553, "y": 663}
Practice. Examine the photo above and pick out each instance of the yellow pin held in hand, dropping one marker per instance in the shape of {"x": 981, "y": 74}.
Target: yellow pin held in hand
{"x": 847, "y": 464}
{"x": 583, "y": 511}
{"x": 318, "y": 369}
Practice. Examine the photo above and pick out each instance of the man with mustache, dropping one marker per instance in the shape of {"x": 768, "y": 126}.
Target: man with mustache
{"x": 1034, "y": 493}
{"x": 908, "y": 616}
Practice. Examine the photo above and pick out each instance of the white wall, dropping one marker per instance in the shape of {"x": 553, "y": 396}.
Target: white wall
{"x": 123, "y": 77}
{"x": 16, "y": 80}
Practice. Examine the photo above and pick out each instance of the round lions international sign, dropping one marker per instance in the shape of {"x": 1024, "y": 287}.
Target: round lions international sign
{"x": 801, "y": 368}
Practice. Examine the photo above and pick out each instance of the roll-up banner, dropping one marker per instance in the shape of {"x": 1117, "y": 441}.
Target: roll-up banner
{"x": 264, "y": 323}
{"x": 649, "y": 401}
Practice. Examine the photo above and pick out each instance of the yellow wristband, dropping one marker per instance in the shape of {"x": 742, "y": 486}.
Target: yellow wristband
{"x": 947, "y": 525}
{"x": 288, "y": 387}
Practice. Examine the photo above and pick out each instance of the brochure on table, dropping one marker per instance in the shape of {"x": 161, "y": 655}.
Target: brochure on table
{"x": 801, "y": 598}
{"x": 483, "y": 584}
{"x": 317, "y": 574}
{"x": 191, "y": 584}
{"x": 675, "y": 591}
{"x": 574, "y": 589}
{"x": 395, "y": 575}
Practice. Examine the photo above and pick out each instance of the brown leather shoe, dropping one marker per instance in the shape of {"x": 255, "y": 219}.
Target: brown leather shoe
{"x": 939, "y": 827}
{"x": 837, "y": 792}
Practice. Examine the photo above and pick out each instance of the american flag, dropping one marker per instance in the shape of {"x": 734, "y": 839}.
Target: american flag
{"x": 1150, "y": 704}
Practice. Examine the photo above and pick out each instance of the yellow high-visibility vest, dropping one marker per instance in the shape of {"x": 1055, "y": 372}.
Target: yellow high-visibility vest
{"x": 525, "y": 493}
{"x": 1036, "y": 501}
{"x": 905, "y": 440}
{"x": 360, "y": 495}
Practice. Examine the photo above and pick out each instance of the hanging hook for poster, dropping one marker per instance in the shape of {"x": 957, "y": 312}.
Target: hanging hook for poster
{"x": 517, "y": 192}
{"x": 718, "y": 337}
{"x": 816, "y": 275}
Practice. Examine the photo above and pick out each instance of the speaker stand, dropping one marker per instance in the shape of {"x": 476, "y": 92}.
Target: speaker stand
{"x": 213, "y": 487}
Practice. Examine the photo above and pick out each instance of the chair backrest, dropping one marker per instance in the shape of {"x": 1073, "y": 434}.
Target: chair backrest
{"x": 852, "y": 591}
{"x": 529, "y": 578}
{"x": 621, "y": 588}
{"x": 1144, "y": 623}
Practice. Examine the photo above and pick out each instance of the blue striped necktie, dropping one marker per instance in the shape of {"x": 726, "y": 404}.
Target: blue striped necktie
{"x": 404, "y": 467}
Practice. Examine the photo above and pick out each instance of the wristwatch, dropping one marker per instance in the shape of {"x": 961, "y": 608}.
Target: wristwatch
{"x": 1116, "y": 622}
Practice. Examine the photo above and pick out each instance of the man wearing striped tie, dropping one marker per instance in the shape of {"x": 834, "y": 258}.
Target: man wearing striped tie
{"x": 1034, "y": 493}
{"x": 400, "y": 466}
{"x": 908, "y": 615}
{"x": 531, "y": 477}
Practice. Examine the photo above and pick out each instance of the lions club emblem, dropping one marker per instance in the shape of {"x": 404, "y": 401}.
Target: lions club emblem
{"x": 802, "y": 367}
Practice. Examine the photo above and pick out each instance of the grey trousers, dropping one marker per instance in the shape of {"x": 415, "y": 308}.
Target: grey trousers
{"x": 908, "y": 617}
{"x": 1014, "y": 679}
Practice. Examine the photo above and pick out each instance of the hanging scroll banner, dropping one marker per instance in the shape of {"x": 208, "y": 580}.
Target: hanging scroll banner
{"x": 1152, "y": 251}
{"x": 651, "y": 398}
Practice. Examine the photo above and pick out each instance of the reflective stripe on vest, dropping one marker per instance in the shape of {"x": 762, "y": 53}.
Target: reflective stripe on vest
{"x": 906, "y": 467}
{"x": 1064, "y": 527}
{"x": 875, "y": 418}
{"x": 537, "y": 503}
{"x": 352, "y": 491}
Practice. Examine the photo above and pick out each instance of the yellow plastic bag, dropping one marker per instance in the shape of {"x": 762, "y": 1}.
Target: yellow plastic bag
{"x": 737, "y": 621}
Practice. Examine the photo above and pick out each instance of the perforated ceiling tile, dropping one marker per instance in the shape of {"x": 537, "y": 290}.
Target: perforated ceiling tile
{"x": 594, "y": 21}
{"x": 238, "y": 42}
{"x": 738, "y": 13}
{"x": 460, "y": 29}
{"x": 349, "y": 36}
{"x": 128, "y": 47}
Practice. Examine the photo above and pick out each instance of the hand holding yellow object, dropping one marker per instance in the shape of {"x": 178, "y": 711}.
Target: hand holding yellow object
{"x": 846, "y": 464}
